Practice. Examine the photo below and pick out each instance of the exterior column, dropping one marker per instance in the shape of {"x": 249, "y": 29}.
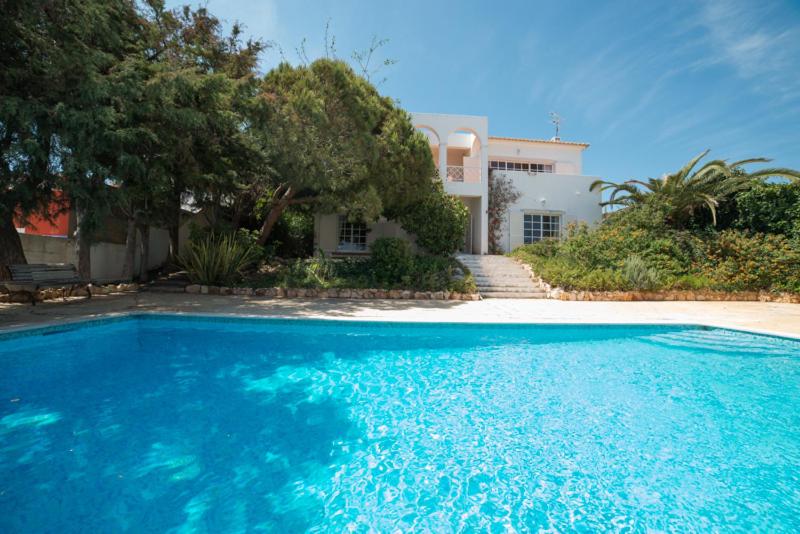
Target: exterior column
{"x": 443, "y": 161}
{"x": 484, "y": 215}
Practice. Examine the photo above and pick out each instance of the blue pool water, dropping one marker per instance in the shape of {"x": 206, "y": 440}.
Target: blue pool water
{"x": 177, "y": 424}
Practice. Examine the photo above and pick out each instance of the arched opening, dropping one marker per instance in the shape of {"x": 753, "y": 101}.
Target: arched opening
{"x": 463, "y": 156}
{"x": 433, "y": 140}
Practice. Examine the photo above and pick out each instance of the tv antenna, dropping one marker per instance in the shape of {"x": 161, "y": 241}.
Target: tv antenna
{"x": 556, "y": 119}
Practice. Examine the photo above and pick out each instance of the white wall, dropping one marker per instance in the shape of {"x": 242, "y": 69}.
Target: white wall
{"x": 107, "y": 258}
{"x": 567, "y": 158}
{"x": 326, "y": 233}
{"x": 558, "y": 194}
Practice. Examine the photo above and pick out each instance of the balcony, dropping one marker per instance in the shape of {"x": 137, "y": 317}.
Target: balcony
{"x": 464, "y": 174}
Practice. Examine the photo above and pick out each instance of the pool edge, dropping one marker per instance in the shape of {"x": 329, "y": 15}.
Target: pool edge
{"x": 55, "y": 325}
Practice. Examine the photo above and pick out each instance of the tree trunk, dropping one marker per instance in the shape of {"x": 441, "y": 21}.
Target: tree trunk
{"x": 238, "y": 212}
{"x": 174, "y": 228}
{"x": 144, "y": 231}
{"x": 10, "y": 245}
{"x": 130, "y": 250}
{"x": 274, "y": 214}
{"x": 83, "y": 246}
{"x": 84, "y": 252}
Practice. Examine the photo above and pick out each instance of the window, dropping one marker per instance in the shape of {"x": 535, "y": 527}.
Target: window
{"x": 537, "y": 227}
{"x": 541, "y": 167}
{"x": 520, "y": 166}
{"x": 352, "y": 235}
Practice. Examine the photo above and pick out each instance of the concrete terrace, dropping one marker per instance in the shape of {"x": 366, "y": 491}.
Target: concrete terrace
{"x": 763, "y": 317}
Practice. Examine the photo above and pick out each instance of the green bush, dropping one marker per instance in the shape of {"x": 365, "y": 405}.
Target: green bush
{"x": 690, "y": 281}
{"x": 640, "y": 275}
{"x": 391, "y": 259}
{"x": 630, "y": 251}
{"x": 439, "y": 222}
{"x": 770, "y": 209}
{"x": 293, "y": 234}
{"x": 742, "y": 261}
{"x": 426, "y": 273}
{"x": 430, "y": 273}
{"x": 217, "y": 260}
{"x": 546, "y": 248}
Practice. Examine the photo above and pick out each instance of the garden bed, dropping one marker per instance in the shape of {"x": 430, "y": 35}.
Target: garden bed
{"x": 558, "y": 293}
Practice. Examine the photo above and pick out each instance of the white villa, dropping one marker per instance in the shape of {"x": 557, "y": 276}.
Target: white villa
{"x": 547, "y": 173}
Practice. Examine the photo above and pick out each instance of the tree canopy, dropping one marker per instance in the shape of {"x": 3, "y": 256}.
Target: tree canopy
{"x": 120, "y": 105}
{"x": 333, "y": 141}
{"x": 56, "y": 59}
{"x": 132, "y": 109}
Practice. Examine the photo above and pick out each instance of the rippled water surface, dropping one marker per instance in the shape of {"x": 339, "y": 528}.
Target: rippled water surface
{"x": 209, "y": 425}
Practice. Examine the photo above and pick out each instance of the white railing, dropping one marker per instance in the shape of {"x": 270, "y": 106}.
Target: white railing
{"x": 459, "y": 173}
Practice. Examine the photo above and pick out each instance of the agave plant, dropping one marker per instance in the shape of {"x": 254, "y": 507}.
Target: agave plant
{"x": 217, "y": 259}
{"x": 691, "y": 189}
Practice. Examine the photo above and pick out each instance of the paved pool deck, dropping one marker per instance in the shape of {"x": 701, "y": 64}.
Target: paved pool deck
{"x": 763, "y": 317}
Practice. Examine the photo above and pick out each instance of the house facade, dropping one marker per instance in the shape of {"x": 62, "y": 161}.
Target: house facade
{"x": 547, "y": 173}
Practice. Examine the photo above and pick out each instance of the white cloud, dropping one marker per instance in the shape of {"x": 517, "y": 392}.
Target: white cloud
{"x": 757, "y": 42}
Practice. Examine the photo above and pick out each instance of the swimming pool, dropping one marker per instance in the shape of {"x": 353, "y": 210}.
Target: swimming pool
{"x": 185, "y": 424}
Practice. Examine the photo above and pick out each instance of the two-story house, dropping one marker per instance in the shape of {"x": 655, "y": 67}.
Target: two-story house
{"x": 547, "y": 173}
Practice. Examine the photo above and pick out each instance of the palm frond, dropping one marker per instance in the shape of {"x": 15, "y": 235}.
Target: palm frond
{"x": 776, "y": 172}
{"x": 749, "y": 161}
{"x": 602, "y": 185}
{"x": 692, "y": 162}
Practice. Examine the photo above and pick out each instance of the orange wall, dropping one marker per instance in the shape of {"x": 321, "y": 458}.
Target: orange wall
{"x": 56, "y": 224}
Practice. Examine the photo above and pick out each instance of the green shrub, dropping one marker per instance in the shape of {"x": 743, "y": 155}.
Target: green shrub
{"x": 640, "y": 275}
{"x": 293, "y": 234}
{"x": 770, "y": 208}
{"x": 628, "y": 251}
{"x": 217, "y": 260}
{"x": 426, "y": 273}
{"x": 391, "y": 259}
{"x": 439, "y": 222}
{"x": 547, "y": 248}
{"x": 742, "y": 261}
{"x": 431, "y": 273}
{"x": 320, "y": 268}
{"x": 690, "y": 281}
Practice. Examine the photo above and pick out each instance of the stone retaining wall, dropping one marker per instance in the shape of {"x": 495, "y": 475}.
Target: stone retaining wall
{"x": 280, "y": 292}
{"x": 680, "y": 295}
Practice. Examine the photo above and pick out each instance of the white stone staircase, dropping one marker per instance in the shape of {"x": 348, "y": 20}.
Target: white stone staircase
{"x": 501, "y": 277}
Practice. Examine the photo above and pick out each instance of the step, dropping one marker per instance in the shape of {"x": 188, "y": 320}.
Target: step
{"x": 506, "y": 295}
{"x": 490, "y": 263}
{"x": 515, "y": 274}
{"x": 494, "y": 281}
{"x": 511, "y": 289}
{"x": 502, "y": 276}
{"x": 502, "y": 281}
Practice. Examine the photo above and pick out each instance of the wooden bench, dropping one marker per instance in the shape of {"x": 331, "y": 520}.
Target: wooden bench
{"x": 30, "y": 278}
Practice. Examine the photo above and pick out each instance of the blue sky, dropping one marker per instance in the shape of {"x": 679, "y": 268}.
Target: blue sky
{"x": 648, "y": 84}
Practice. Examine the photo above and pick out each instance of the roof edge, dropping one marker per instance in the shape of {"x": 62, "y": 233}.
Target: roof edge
{"x": 545, "y": 141}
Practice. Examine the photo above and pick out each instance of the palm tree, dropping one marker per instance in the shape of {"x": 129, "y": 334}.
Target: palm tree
{"x": 690, "y": 189}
